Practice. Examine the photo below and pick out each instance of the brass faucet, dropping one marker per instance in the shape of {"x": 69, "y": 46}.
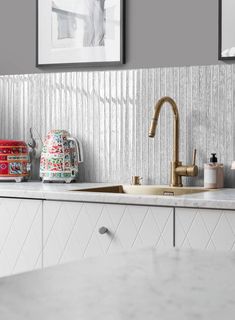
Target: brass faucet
{"x": 177, "y": 169}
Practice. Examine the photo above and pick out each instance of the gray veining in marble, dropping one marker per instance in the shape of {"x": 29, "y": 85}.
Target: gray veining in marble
{"x": 110, "y": 112}
{"x": 144, "y": 284}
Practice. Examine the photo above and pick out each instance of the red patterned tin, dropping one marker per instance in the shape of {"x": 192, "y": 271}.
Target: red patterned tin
{"x": 14, "y": 160}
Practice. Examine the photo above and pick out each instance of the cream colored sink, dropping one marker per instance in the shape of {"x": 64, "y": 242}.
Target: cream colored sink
{"x": 146, "y": 190}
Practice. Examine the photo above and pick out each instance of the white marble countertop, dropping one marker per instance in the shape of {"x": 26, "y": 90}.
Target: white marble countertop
{"x": 218, "y": 199}
{"x": 137, "y": 285}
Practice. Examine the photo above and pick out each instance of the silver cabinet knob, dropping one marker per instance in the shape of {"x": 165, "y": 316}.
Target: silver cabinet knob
{"x": 103, "y": 230}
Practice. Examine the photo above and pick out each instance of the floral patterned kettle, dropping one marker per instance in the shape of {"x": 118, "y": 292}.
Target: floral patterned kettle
{"x": 60, "y": 158}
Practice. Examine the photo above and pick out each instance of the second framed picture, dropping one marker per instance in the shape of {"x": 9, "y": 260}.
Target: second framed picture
{"x": 81, "y": 32}
{"x": 226, "y": 30}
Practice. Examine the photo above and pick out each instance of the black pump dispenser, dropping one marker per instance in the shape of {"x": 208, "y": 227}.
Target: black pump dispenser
{"x": 213, "y": 159}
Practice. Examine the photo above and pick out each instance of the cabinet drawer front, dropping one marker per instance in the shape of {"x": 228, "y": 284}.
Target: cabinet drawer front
{"x": 205, "y": 229}
{"x": 20, "y": 235}
{"x": 76, "y": 230}
{"x": 133, "y": 227}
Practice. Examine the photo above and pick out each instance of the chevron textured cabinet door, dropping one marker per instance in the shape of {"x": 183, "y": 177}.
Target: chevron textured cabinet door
{"x": 205, "y": 229}
{"x": 20, "y": 235}
{"x": 71, "y": 229}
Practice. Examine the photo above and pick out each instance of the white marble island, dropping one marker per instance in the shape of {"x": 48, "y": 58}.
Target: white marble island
{"x": 143, "y": 284}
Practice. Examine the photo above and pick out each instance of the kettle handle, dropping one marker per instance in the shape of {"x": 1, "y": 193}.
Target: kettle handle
{"x": 78, "y": 147}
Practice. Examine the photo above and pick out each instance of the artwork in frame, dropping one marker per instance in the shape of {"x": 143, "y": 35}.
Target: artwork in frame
{"x": 81, "y": 32}
{"x": 226, "y": 30}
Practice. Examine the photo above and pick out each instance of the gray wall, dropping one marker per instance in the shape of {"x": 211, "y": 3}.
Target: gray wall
{"x": 159, "y": 33}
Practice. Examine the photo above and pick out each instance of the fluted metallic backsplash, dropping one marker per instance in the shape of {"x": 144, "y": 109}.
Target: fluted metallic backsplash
{"x": 110, "y": 111}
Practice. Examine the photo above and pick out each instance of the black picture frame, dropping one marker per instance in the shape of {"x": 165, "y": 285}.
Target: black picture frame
{"x": 88, "y": 64}
{"x": 220, "y": 57}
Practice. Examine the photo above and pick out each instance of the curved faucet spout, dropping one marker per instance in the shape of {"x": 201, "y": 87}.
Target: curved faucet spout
{"x": 154, "y": 121}
{"x": 177, "y": 169}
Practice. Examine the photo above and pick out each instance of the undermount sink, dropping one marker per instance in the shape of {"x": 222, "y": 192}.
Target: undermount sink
{"x": 146, "y": 190}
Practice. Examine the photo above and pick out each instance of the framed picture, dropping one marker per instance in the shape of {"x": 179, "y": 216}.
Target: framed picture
{"x": 81, "y": 32}
{"x": 226, "y": 29}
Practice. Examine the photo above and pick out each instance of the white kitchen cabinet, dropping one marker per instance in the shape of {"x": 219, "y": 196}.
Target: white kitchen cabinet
{"x": 20, "y": 235}
{"x": 35, "y": 233}
{"x": 205, "y": 229}
{"x": 71, "y": 229}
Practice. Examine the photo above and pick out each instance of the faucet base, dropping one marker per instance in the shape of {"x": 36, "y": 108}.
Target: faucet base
{"x": 178, "y": 171}
{"x": 176, "y": 180}
{"x": 176, "y": 186}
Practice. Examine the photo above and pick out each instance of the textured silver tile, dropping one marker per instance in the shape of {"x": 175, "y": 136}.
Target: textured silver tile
{"x": 110, "y": 111}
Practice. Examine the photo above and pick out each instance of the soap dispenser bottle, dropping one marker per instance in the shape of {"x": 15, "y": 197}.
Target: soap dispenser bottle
{"x": 213, "y": 173}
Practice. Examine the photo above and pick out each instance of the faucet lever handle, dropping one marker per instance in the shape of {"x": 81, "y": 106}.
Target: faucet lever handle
{"x": 194, "y": 156}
